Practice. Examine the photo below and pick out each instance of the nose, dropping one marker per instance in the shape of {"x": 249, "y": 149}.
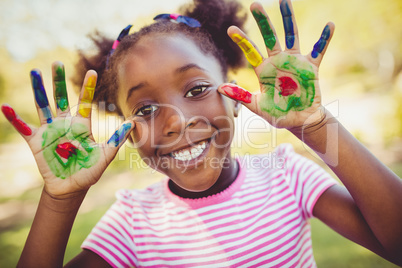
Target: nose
{"x": 176, "y": 123}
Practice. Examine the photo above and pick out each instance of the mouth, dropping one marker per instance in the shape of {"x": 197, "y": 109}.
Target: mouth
{"x": 191, "y": 153}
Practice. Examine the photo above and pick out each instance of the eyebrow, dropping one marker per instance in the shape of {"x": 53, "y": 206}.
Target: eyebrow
{"x": 179, "y": 70}
{"x": 188, "y": 67}
{"x": 134, "y": 88}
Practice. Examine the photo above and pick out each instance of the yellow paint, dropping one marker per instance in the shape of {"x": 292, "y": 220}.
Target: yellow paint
{"x": 132, "y": 30}
{"x": 251, "y": 53}
{"x": 85, "y": 107}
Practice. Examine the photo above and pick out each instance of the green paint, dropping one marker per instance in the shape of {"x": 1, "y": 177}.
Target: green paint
{"x": 63, "y": 131}
{"x": 61, "y": 89}
{"x": 300, "y": 71}
{"x": 266, "y": 31}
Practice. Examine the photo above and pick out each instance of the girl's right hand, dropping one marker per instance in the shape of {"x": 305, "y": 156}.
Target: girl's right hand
{"x": 68, "y": 158}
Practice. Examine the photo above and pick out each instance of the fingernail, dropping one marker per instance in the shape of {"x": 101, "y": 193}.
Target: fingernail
{"x": 40, "y": 95}
{"x": 266, "y": 31}
{"x": 20, "y": 125}
{"x": 85, "y": 107}
{"x": 119, "y": 135}
{"x": 320, "y": 45}
{"x": 251, "y": 53}
{"x": 287, "y": 24}
{"x": 61, "y": 88}
{"x": 237, "y": 93}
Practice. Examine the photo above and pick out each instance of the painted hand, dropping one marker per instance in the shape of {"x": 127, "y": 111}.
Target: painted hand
{"x": 68, "y": 158}
{"x": 289, "y": 91}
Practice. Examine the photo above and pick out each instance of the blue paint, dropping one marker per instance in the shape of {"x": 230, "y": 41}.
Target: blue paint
{"x": 40, "y": 95}
{"x": 320, "y": 45}
{"x": 288, "y": 24}
{"x": 39, "y": 90}
{"x": 119, "y": 135}
{"x": 47, "y": 114}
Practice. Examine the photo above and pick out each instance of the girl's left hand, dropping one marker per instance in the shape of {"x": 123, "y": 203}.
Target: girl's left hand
{"x": 289, "y": 95}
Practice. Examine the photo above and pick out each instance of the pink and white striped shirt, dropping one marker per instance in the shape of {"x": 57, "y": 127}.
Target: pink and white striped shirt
{"x": 259, "y": 220}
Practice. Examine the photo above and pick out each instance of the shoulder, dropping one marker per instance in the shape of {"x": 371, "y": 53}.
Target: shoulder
{"x": 279, "y": 160}
{"x": 150, "y": 194}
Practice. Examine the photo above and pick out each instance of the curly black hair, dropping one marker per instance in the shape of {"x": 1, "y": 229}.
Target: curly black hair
{"x": 215, "y": 17}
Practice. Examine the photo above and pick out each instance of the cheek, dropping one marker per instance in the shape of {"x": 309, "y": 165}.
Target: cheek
{"x": 141, "y": 137}
{"x": 222, "y": 117}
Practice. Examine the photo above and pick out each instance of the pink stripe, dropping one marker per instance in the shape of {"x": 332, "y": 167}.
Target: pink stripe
{"x": 221, "y": 226}
{"x": 206, "y": 213}
{"x": 304, "y": 189}
{"x": 100, "y": 245}
{"x": 110, "y": 261}
{"x": 261, "y": 237}
{"x": 222, "y": 234}
{"x": 216, "y": 227}
{"x": 121, "y": 242}
{"x": 271, "y": 250}
{"x": 294, "y": 248}
{"x": 101, "y": 238}
{"x": 318, "y": 195}
{"x": 304, "y": 254}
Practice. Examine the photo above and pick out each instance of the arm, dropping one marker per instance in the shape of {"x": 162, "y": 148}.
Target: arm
{"x": 47, "y": 239}
{"x": 69, "y": 160}
{"x": 370, "y": 211}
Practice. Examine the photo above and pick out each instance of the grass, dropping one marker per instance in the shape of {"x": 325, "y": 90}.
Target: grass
{"x": 330, "y": 249}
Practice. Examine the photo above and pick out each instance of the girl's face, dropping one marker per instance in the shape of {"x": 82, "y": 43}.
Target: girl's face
{"x": 184, "y": 127}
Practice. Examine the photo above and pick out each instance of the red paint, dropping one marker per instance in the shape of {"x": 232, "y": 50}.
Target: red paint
{"x": 287, "y": 85}
{"x": 66, "y": 150}
{"x": 237, "y": 93}
{"x": 20, "y": 125}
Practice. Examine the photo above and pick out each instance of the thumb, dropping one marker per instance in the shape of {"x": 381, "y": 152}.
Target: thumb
{"x": 239, "y": 94}
{"x": 118, "y": 138}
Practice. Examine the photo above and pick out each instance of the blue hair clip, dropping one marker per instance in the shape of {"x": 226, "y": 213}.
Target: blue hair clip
{"x": 179, "y": 19}
{"x": 122, "y": 34}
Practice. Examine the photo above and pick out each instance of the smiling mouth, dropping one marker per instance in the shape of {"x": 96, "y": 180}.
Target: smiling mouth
{"x": 190, "y": 153}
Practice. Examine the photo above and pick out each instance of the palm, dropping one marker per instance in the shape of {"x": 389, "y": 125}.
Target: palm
{"x": 290, "y": 92}
{"x": 67, "y": 156}
{"x": 65, "y": 151}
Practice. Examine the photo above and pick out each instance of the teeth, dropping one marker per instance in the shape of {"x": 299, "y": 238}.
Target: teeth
{"x": 190, "y": 153}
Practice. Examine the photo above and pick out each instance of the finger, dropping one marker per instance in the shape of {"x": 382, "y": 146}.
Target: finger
{"x": 87, "y": 94}
{"x": 42, "y": 103}
{"x": 251, "y": 52}
{"x": 16, "y": 121}
{"x": 289, "y": 25}
{"x": 60, "y": 89}
{"x": 239, "y": 94}
{"x": 321, "y": 46}
{"x": 120, "y": 135}
{"x": 266, "y": 29}
{"x": 117, "y": 139}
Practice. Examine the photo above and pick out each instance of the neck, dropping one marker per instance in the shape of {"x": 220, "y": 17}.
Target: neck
{"x": 226, "y": 178}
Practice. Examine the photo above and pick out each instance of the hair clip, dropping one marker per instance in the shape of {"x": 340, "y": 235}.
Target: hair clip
{"x": 179, "y": 19}
{"x": 122, "y": 34}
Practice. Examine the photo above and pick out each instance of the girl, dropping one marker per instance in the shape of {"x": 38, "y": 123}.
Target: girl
{"x": 168, "y": 81}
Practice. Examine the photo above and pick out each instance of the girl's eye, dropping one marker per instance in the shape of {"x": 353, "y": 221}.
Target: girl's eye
{"x": 146, "y": 110}
{"x": 196, "y": 91}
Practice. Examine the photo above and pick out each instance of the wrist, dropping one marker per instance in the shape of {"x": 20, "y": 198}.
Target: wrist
{"x": 313, "y": 124}
{"x": 65, "y": 203}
